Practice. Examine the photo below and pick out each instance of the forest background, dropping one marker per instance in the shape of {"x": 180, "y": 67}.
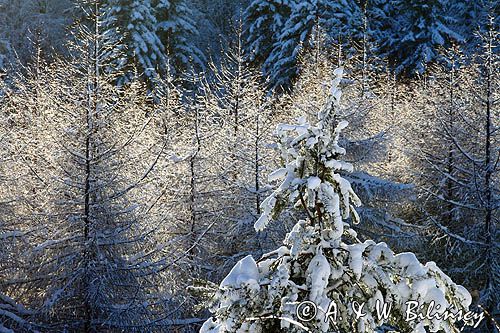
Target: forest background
{"x": 136, "y": 139}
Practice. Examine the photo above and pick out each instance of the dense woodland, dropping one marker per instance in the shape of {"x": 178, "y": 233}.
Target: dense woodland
{"x": 139, "y": 142}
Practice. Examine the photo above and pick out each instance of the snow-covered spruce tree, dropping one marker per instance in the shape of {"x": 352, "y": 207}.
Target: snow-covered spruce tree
{"x": 134, "y": 22}
{"x": 412, "y": 31}
{"x": 321, "y": 260}
{"x": 265, "y": 20}
{"x": 475, "y": 18}
{"x": 366, "y": 141}
{"x": 307, "y": 18}
{"x": 177, "y": 29}
{"x": 86, "y": 151}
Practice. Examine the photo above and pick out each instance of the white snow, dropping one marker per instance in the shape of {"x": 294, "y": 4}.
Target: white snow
{"x": 245, "y": 272}
{"x": 278, "y": 174}
{"x": 210, "y": 327}
{"x": 313, "y": 183}
{"x": 409, "y": 261}
{"x": 356, "y": 258}
{"x": 267, "y": 205}
{"x": 318, "y": 273}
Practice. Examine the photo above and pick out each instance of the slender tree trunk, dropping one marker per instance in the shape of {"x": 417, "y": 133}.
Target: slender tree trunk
{"x": 239, "y": 82}
{"x": 257, "y": 171}
{"x": 86, "y": 208}
{"x": 339, "y": 51}
{"x": 318, "y": 42}
{"x": 90, "y": 154}
{"x": 261, "y": 236}
{"x": 450, "y": 159}
{"x": 192, "y": 185}
{"x": 365, "y": 50}
{"x": 489, "y": 227}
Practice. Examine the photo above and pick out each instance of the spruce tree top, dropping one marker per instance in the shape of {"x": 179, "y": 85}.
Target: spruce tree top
{"x": 312, "y": 178}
